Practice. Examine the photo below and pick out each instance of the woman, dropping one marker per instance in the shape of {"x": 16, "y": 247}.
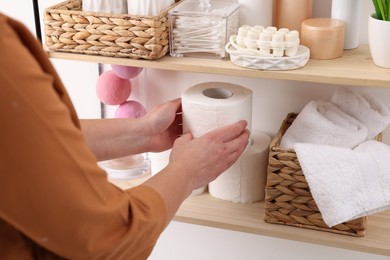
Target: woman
{"x": 55, "y": 202}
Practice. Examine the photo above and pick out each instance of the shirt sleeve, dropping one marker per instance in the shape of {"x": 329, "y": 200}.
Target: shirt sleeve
{"x": 51, "y": 188}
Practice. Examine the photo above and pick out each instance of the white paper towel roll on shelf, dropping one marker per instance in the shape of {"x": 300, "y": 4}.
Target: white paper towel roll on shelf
{"x": 244, "y": 181}
{"x": 211, "y": 105}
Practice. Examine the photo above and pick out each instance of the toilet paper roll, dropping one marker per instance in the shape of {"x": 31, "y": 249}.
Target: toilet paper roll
{"x": 244, "y": 181}
{"x": 211, "y": 105}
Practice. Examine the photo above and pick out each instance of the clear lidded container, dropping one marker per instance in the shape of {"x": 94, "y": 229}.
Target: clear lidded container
{"x": 202, "y": 28}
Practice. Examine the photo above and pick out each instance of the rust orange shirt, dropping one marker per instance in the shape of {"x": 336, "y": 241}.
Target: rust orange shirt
{"x": 54, "y": 200}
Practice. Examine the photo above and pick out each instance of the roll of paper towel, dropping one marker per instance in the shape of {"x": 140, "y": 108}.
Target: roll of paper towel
{"x": 244, "y": 181}
{"x": 211, "y": 105}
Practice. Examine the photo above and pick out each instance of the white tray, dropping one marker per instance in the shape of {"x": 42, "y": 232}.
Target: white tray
{"x": 253, "y": 60}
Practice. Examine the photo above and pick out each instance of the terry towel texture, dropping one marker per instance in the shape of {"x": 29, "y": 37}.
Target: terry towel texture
{"x": 365, "y": 108}
{"x": 347, "y": 184}
{"x": 348, "y": 176}
{"x": 322, "y": 122}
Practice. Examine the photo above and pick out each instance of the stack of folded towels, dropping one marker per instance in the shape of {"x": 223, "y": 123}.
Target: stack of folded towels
{"x": 347, "y": 171}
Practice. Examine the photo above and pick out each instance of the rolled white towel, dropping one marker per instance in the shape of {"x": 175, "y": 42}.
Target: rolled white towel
{"x": 322, "y": 122}
{"x": 347, "y": 184}
{"x": 365, "y": 108}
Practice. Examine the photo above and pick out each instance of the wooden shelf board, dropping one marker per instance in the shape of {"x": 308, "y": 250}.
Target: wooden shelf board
{"x": 355, "y": 67}
{"x": 208, "y": 211}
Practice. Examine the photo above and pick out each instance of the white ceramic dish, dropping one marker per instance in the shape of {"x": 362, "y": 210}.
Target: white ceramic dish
{"x": 254, "y": 60}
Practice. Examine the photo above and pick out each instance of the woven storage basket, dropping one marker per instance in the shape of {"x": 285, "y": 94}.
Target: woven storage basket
{"x": 69, "y": 29}
{"x": 288, "y": 198}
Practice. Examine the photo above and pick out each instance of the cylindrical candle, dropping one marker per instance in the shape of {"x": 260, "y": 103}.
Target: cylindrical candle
{"x": 348, "y": 11}
{"x": 324, "y": 37}
{"x": 256, "y": 12}
{"x": 291, "y": 13}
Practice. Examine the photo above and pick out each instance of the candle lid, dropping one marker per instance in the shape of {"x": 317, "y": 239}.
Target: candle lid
{"x": 322, "y": 25}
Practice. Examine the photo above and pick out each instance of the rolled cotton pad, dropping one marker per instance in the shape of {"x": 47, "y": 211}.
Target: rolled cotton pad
{"x": 130, "y": 109}
{"x": 126, "y": 72}
{"x": 111, "y": 89}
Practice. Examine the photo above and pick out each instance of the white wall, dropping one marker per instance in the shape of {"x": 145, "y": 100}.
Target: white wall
{"x": 78, "y": 77}
{"x": 192, "y": 242}
{"x": 273, "y": 100}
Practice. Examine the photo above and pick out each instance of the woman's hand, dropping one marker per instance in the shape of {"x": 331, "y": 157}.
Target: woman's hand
{"x": 194, "y": 162}
{"x": 204, "y": 159}
{"x": 119, "y": 137}
{"x": 164, "y": 125}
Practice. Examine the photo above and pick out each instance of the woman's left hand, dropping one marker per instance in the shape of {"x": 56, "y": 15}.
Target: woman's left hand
{"x": 164, "y": 125}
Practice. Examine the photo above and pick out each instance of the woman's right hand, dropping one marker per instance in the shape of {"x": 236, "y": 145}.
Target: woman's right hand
{"x": 203, "y": 159}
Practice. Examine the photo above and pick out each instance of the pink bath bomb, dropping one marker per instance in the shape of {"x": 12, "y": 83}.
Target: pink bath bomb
{"x": 126, "y": 72}
{"x": 111, "y": 89}
{"x": 130, "y": 109}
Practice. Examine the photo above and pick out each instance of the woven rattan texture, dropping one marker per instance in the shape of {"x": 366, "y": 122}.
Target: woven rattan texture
{"x": 288, "y": 198}
{"x": 69, "y": 29}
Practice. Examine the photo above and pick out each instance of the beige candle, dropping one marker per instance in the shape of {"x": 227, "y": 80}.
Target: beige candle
{"x": 291, "y": 13}
{"x": 324, "y": 37}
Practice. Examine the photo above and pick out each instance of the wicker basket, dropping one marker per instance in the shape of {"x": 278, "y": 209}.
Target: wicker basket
{"x": 69, "y": 29}
{"x": 288, "y": 199}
